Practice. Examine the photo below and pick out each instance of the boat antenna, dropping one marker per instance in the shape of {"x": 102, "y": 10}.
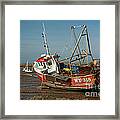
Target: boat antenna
{"x": 45, "y": 39}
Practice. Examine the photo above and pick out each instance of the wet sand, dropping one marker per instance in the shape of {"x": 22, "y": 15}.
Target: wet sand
{"x": 32, "y": 89}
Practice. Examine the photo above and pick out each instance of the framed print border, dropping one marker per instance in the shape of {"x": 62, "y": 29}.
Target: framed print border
{"x": 62, "y": 2}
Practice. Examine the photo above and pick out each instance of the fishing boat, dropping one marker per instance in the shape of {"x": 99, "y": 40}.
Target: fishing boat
{"x": 56, "y": 73}
{"x": 26, "y": 68}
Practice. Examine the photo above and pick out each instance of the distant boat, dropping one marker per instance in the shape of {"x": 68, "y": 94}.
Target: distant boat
{"x": 26, "y": 68}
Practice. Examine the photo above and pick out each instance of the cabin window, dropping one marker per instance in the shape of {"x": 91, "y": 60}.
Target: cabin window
{"x": 36, "y": 64}
{"x": 39, "y": 63}
{"x": 44, "y": 66}
{"x": 49, "y": 63}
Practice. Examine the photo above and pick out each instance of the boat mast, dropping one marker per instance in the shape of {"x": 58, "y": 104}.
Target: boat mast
{"x": 27, "y": 65}
{"x": 77, "y": 42}
{"x": 78, "y": 50}
{"x": 45, "y": 40}
{"x": 83, "y": 33}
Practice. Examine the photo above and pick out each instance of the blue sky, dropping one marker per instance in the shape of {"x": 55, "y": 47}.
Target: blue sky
{"x": 60, "y": 37}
